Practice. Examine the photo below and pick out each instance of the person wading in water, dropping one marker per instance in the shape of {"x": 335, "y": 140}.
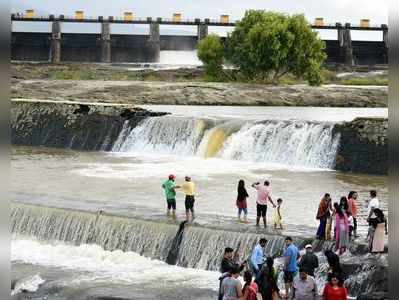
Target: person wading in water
{"x": 169, "y": 187}
{"x": 189, "y": 188}
{"x": 241, "y": 202}
{"x": 263, "y": 195}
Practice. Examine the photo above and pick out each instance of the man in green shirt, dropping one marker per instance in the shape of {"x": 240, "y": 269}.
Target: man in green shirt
{"x": 169, "y": 187}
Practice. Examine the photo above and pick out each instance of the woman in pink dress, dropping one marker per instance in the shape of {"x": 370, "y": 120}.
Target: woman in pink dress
{"x": 341, "y": 229}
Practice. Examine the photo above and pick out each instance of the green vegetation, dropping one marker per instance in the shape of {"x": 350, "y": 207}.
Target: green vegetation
{"x": 210, "y": 52}
{"x": 265, "y": 46}
{"x": 374, "y": 80}
{"x": 73, "y": 71}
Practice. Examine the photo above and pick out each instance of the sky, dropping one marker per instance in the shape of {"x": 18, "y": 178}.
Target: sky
{"x": 332, "y": 11}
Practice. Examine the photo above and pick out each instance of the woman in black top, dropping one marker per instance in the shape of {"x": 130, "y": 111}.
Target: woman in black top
{"x": 242, "y": 200}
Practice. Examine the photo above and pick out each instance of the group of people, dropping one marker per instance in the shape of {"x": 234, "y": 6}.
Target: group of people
{"x": 263, "y": 197}
{"x": 261, "y": 277}
{"x": 188, "y": 187}
{"x": 343, "y": 217}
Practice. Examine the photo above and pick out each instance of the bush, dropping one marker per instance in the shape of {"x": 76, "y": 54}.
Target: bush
{"x": 211, "y": 51}
{"x": 267, "y": 45}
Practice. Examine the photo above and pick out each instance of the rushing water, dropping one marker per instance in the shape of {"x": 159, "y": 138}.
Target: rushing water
{"x": 292, "y": 147}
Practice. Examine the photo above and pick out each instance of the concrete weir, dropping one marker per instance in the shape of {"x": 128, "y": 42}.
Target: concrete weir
{"x": 193, "y": 246}
{"x": 363, "y": 143}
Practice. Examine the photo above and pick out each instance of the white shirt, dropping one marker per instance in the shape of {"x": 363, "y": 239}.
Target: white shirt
{"x": 350, "y": 221}
{"x": 374, "y": 203}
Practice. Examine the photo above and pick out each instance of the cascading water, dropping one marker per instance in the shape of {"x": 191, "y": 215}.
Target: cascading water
{"x": 196, "y": 248}
{"x": 291, "y": 143}
{"x": 185, "y": 246}
{"x": 169, "y": 135}
{"x": 294, "y": 143}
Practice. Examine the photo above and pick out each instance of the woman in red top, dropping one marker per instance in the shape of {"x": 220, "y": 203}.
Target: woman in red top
{"x": 334, "y": 289}
{"x": 250, "y": 289}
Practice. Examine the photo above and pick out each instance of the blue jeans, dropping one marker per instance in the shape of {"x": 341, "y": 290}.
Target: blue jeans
{"x": 242, "y": 209}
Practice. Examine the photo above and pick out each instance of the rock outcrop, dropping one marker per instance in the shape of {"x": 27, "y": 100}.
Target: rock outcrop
{"x": 74, "y": 125}
{"x": 364, "y": 146}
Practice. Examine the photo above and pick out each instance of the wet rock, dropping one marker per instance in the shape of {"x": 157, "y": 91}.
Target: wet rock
{"x": 82, "y": 126}
{"x": 363, "y": 146}
{"x": 374, "y": 296}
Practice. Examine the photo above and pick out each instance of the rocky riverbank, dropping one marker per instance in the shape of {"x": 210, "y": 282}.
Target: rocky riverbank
{"x": 363, "y": 146}
{"x": 200, "y": 93}
{"x": 75, "y": 125}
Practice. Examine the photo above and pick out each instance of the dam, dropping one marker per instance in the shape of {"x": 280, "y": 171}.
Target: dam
{"x": 87, "y": 213}
{"x": 56, "y": 46}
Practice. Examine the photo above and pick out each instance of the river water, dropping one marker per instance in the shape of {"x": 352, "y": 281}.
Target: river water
{"x": 294, "y": 148}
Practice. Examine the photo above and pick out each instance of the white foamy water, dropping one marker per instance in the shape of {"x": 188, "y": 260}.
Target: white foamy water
{"x": 289, "y": 143}
{"x": 180, "y": 58}
{"x": 28, "y": 284}
{"x": 115, "y": 266}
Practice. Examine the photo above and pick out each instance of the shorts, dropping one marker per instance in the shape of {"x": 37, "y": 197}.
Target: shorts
{"x": 189, "y": 203}
{"x": 171, "y": 203}
{"x": 261, "y": 210}
{"x": 289, "y": 276}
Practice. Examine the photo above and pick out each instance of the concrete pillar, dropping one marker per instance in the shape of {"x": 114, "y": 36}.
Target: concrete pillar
{"x": 348, "y": 45}
{"x": 55, "y": 51}
{"x": 105, "y": 42}
{"x": 154, "y": 41}
{"x": 202, "y": 31}
{"x": 385, "y": 39}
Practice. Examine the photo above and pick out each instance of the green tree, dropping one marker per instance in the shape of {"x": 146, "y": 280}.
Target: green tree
{"x": 266, "y": 45}
{"x": 211, "y": 52}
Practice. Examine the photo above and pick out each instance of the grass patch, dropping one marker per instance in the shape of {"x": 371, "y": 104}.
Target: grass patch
{"x": 375, "y": 80}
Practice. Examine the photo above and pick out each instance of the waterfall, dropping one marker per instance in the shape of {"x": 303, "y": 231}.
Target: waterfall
{"x": 168, "y": 135}
{"x": 294, "y": 143}
{"x": 187, "y": 246}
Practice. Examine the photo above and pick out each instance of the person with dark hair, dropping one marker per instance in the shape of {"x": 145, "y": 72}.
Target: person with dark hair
{"x": 352, "y": 203}
{"x": 334, "y": 289}
{"x": 263, "y": 195}
{"x": 343, "y": 203}
{"x": 378, "y": 224}
{"x": 170, "y": 187}
{"x": 291, "y": 256}
{"x": 309, "y": 261}
{"x": 231, "y": 287}
{"x": 304, "y": 287}
{"x": 323, "y": 213}
{"x": 334, "y": 265}
{"x": 241, "y": 202}
{"x": 188, "y": 188}
{"x": 227, "y": 265}
{"x": 341, "y": 230}
{"x": 277, "y": 218}
{"x": 373, "y": 202}
{"x": 250, "y": 288}
{"x": 228, "y": 261}
{"x": 258, "y": 256}
{"x": 267, "y": 281}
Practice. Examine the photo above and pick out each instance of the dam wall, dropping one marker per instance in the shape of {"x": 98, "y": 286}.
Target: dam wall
{"x": 87, "y": 47}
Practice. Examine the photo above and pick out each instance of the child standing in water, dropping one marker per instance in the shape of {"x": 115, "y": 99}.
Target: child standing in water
{"x": 242, "y": 200}
{"x": 277, "y": 218}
